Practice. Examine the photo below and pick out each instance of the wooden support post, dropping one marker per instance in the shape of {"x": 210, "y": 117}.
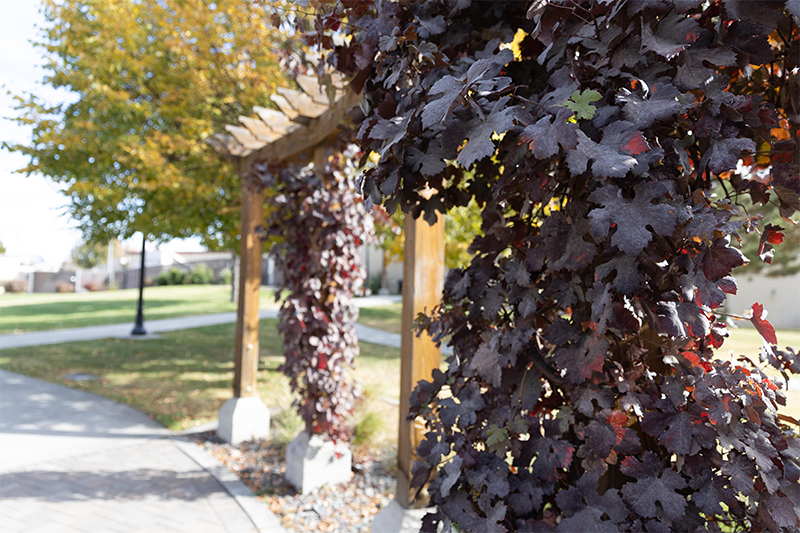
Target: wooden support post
{"x": 246, "y": 356}
{"x": 423, "y": 281}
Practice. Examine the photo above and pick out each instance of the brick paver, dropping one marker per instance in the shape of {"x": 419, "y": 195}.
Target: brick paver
{"x": 74, "y": 462}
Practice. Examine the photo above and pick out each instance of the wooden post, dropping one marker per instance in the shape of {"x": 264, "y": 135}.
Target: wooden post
{"x": 423, "y": 280}
{"x": 246, "y": 356}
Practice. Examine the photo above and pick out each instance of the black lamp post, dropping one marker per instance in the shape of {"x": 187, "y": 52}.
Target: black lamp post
{"x": 138, "y": 328}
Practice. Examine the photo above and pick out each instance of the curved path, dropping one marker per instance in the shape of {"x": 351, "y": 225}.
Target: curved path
{"x": 71, "y": 461}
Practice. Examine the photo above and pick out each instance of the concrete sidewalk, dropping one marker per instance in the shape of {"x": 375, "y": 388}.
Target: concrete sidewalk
{"x": 74, "y": 462}
{"x": 57, "y": 336}
{"x": 71, "y": 461}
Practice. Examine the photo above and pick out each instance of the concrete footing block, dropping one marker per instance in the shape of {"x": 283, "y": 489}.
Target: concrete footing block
{"x": 242, "y": 419}
{"x": 312, "y": 462}
{"x": 394, "y": 518}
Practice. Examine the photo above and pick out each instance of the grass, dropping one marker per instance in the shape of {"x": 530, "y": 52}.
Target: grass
{"x": 184, "y": 377}
{"x": 747, "y": 341}
{"x": 385, "y": 317}
{"x": 38, "y": 312}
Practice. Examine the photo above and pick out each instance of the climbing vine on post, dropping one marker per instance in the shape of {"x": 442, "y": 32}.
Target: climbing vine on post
{"x": 611, "y": 145}
{"x": 318, "y": 222}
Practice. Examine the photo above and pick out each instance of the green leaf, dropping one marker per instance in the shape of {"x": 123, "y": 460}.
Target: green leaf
{"x": 496, "y": 438}
{"x": 580, "y": 103}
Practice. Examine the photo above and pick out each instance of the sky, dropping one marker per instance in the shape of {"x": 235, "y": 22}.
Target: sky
{"x": 33, "y": 219}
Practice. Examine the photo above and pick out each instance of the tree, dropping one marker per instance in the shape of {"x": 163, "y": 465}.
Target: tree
{"x": 611, "y": 146}
{"x": 462, "y": 225}
{"x": 89, "y": 255}
{"x": 2, "y": 248}
{"x": 152, "y": 79}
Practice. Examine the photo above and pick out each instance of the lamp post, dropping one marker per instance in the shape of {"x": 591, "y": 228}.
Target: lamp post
{"x": 138, "y": 328}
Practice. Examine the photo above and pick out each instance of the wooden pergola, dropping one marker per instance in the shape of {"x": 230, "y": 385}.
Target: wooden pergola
{"x": 302, "y": 131}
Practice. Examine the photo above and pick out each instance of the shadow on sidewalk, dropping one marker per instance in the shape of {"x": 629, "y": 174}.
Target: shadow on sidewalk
{"x": 52, "y": 486}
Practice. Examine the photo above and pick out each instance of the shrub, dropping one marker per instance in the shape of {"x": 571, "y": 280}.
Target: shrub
{"x": 173, "y": 276}
{"x": 368, "y": 423}
{"x": 201, "y": 274}
{"x": 225, "y": 276}
{"x": 612, "y": 147}
{"x": 374, "y": 284}
{"x": 16, "y": 285}
{"x": 93, "y": 286}
{"x": 65, "y": 286}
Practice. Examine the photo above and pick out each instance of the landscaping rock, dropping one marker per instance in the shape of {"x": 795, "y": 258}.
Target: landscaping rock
{"x": 261, "y": 466}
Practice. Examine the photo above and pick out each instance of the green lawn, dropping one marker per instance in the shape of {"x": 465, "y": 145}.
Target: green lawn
{"x": 184, "y": 377}
{"x": 747, "y": 341}
{"x": 38, "y": 312}
{"x": 385, "y": 317}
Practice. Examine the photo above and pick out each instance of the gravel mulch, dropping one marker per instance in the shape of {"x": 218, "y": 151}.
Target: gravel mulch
{"x": 349, "y": 507}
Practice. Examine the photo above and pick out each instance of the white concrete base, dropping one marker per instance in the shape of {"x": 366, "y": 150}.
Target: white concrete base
{"x": 312, "y": 462}
{"x": 395, "y": 519}
{"x": 242, "y": 419}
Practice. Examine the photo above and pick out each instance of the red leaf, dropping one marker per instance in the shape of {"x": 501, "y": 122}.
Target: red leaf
{"x": 764, "y": 328}
{"x": 773, "y": 234}
{"x": 636, "y": 145}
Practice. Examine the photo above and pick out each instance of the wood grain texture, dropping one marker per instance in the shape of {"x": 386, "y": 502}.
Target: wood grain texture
{"x": 247, "y": 319}
{"x": 423, "y": 281}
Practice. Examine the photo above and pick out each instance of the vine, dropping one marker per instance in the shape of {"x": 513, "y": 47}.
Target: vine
{"x": 608, "y": 143}
{"x": 318, "y": 223}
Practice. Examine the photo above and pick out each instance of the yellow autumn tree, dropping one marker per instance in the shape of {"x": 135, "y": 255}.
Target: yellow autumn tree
{"x": 152, "y": 79}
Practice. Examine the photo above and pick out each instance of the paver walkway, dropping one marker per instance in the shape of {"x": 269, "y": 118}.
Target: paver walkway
{"x": 71, "y": 461}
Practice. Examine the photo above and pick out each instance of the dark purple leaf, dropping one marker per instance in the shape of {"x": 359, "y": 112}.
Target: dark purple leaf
{"x": 671, "y": 37}
{"x": 565, "y": 243}
{"x": 681, "y": 433}
{"x": 436, "y": 111}
{"x": 627, "y": 278}
{"x": 654, "y": 485}
{"x": 600, "y": 438}
{"x": 580, "y": 360}
{"x": 631, "y": 218}
{"x": 480, "y": 144}
{"x": 544, "y": 137}
{"x": 720, "y": 259}
{"x": 460, "y": 510}
{"x": 683, "y": 319}
{"x": 452, "y": 471}
{"x": 428, "y": 163}
{"x": 780, "y": 510}
{"x": 613, "y": 156}
{"x": 587, "y": 520}
{"x": 662, "y": 102}
{"x": 726, "y": 153}
{"x": 485, "y": 360}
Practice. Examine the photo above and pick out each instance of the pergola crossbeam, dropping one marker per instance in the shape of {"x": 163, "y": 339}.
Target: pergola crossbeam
{"x": 260, "y": 131}
{"x": 303, "y": 103}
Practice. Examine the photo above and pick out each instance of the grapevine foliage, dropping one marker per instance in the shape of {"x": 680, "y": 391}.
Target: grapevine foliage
{"x": 610, "y": 144}
{"x": 318, "y": 222}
